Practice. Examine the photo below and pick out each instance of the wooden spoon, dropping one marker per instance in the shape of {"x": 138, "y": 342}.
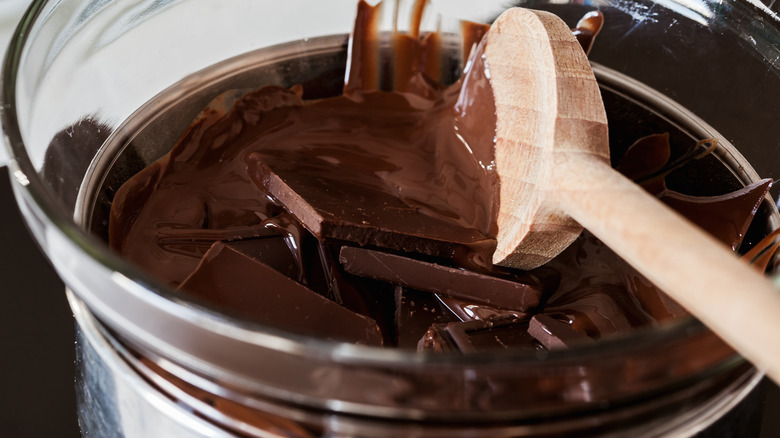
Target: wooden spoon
{"x": 552, "y": 157}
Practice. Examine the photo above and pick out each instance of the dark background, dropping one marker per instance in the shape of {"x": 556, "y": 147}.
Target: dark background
{"x": 37, "y": 337}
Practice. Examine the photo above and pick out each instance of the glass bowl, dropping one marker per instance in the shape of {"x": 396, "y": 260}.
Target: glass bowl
{"x": 82, "y": 80}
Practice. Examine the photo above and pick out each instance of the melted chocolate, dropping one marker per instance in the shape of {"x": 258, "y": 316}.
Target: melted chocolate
{"x": 363, "y": 72}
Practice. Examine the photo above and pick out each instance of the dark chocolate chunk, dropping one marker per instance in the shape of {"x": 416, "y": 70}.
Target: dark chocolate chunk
{"x": 235, "y": 282}
{"x": 554, "y": 334}
{"x": 507, "y": 332}
{"x": 439, "y": 279}
{"x": 332, "y": 208}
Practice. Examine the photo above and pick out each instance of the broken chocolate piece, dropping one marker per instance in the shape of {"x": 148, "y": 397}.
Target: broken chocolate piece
{"x": 477, "y": 336}
{"x": 246, "y": 287}
{"x": 554, "y": 334}
{"x": 439, "y": 279}
{"x": 336, "y": 208}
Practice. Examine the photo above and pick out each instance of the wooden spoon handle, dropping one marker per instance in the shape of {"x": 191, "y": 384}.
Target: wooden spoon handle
{"x": 702, "y": 274}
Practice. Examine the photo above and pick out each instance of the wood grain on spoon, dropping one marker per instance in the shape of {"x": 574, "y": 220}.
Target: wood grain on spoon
{"x": 552, "y": 157}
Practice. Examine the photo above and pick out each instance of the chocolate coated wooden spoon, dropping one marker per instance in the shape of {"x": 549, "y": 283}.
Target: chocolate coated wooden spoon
{"x": 552, "y": 157}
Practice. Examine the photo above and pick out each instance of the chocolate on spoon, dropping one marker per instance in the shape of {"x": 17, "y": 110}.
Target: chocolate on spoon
{"x": 552, "y": 157}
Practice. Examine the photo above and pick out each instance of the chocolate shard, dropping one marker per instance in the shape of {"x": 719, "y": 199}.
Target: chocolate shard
{"x": 431, "y": 277}
{"x": 507, "y": 332}
{"x": 246, "y": 287}
{"x": 415, "y": 312}
{"x": 554, "y": 334}
{"x": 334, "y": 208}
